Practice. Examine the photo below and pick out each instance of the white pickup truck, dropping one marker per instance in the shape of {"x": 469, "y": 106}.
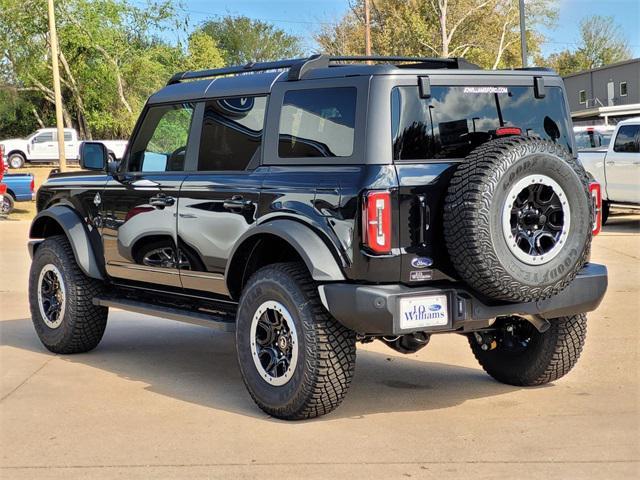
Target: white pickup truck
{"x": 42, "y": 146}
{"x": 617, "y": 167}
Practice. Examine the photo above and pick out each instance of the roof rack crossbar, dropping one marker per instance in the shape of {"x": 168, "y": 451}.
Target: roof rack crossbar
{"x": 299, "y": 66}
{"x": 382, "y": 58}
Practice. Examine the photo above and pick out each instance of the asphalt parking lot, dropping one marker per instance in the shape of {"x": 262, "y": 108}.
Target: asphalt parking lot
{"x": 165, "y": 400}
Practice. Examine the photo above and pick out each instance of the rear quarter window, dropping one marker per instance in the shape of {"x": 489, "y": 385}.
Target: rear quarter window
{"x": 455, "y": 120}
{"x": 317, "y": 123}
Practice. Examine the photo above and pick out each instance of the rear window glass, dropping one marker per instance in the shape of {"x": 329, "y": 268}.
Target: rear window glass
{"x": 455, "y": 120}
{"x": 626, "y": 139}
{"x": 317, "y": 123}
{"x": 591, "y": 139}
{"x": 231, "y": 133}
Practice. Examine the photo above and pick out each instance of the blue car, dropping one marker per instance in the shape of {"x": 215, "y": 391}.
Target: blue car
{"x": 20, "y": 188}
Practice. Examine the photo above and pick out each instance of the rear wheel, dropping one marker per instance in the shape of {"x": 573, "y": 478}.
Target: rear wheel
{"x": 7, "y": 204}
{"x": 518, "y": 354}
{"x": 296, "y": 361}
{"x": 61, "y": 300}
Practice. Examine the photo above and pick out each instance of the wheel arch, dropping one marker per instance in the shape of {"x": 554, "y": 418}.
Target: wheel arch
{"x": 64, "y": 220}
{"x": 280, "y": 240}
{"x": 16, "y": 151}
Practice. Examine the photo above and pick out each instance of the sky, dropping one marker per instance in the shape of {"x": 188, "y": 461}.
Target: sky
{"x": 304, "y": 17}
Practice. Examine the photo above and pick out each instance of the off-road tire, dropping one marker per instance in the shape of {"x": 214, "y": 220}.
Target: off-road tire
{"x": 8, "y": 203}
{"x": 16, "y": 160}
{"x": 550, "y": 356}
{"x": 473, "y": 219}
{"x": 327, "y": 351}
{"x": 83, "y": 323}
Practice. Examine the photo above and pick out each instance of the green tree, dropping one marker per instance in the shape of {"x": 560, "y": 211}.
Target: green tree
{"x": 203, "y": 52}
{"x": 484, "y": 31}
{"x": 111, "y": 60}
{"x": 243, "y": 40}
{"x": 601, "y": 43}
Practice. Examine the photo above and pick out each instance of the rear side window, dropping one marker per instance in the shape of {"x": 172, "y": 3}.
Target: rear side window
{"x": 231, "y": 133}
{"x": 317, "y": 123}
{"x": 160, "y": 144}
{"x": 43, "y": 138}
{"x": 626, "y": 139}
{"x": 455, "y": 120}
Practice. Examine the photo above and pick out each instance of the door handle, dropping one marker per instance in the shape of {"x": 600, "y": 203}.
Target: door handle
{"x": 237, "y": 203}
{"x": 161, "y": 201}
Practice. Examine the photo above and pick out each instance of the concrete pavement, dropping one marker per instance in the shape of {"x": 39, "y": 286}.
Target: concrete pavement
{"x": 165, "y": 400}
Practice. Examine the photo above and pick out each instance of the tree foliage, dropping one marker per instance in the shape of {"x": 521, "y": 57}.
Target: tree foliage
{"x": 485, "y": 32}
{"x": 111, "y": 59}
{"x": 243, "y": 40}
{"x": 600, "y": 44}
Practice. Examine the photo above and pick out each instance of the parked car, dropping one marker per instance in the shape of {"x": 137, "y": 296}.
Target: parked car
{"x": 597, "y": 136}
{"x": 617, "y": 168}
{"x": 20, "y": 188}
{"x": 42, "y": 146}
{"x": 316, "y": 203}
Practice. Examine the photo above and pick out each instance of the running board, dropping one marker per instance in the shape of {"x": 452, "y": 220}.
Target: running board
{"x": 214, "y": 321}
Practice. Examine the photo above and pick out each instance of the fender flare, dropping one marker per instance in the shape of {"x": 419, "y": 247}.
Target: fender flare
{"x": 316, "y": 255}
{"x": 75, "y": 230}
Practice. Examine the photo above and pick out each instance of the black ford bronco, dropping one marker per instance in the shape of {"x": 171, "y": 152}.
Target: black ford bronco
{"x": 315, "y": 203}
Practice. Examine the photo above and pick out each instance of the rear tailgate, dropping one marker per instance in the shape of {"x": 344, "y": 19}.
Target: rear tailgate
{"x": 432, "y": 135}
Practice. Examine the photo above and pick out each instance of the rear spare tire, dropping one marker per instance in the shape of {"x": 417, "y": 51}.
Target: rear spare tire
{"x": 518, "y": 219}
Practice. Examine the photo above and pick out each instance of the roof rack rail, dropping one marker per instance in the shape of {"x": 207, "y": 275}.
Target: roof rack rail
{"x": 249, "y": 67}
{"x": 299, "y": 66}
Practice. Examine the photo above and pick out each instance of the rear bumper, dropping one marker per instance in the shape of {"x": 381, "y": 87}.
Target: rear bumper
{"x": 374, "y": 309}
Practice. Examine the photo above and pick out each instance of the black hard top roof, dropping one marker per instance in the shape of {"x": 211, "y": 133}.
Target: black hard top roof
{"x": 259, "y": 78}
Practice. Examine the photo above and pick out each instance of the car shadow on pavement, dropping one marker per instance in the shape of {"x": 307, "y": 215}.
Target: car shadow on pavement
{"x": 196, "y": 365}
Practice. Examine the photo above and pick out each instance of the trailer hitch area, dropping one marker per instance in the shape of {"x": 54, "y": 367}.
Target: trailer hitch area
{"x": 486, "y": 340}
{"x": 541, "y": 324}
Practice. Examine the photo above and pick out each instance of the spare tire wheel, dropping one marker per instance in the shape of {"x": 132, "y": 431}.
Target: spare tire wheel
{"x": 518, "y": 219}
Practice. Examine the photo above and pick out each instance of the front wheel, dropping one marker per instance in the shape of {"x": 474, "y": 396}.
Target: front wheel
{"x": 16, "y": 160}
{"x": 61, "y": 300}
{"x": 516, "y": 353}
{"x": 296, "y": 361}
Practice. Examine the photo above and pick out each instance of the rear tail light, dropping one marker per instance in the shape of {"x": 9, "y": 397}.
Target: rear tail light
{"x": 596, "y": 197}
{"x": 376, "y": 219}
{"x": 33, "y": 184}
{"x": 504, "y": 131}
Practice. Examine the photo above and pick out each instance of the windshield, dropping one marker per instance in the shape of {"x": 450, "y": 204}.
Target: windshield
{"x": 455, "y": 120}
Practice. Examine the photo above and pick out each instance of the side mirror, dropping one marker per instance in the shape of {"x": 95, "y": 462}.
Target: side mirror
{"x": 93, "y": 156}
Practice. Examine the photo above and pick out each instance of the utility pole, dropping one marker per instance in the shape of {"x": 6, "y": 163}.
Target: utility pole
{"x": 523, "y": 36}
{"x": 367, "y": 29}
{"x": 53, "y": 38}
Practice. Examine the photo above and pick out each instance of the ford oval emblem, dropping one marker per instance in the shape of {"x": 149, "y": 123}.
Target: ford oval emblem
{"x": 435, "y": 307}
{"x": 421, "y": 262}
